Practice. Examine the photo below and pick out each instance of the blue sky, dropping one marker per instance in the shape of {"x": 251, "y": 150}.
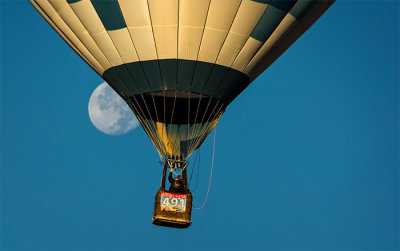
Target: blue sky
{"x": 307, "y": 157}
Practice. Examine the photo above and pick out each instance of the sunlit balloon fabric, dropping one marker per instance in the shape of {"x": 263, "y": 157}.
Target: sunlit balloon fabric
{"x": 179, "y": 63}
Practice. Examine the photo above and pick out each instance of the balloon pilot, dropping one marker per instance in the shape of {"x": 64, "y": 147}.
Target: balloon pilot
{"x": 177, "y": 185}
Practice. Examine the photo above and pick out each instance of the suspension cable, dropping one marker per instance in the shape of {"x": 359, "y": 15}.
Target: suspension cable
{"x": 198, "y": 171}
{"x": 194, "y": 166}
{"x": 212, "y": 167}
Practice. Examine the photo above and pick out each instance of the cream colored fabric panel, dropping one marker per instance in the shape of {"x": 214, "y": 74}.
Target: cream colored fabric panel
{"x": 247, "y": 17}
{"x": 137, "y": 18}
{"x": 144, "y": 42}
{"x": 88, "y": 16}
{"x": 211, "y": 45}
{"x": 192, "y": 19}
{"x": 135, "y": 12}
{"x": 84, "y": 41}
{"x": 284, "y": 27}
{"x": 123, "y": 43}
{"x": 65, "y": 32}
{"x": 164, "y": 18}
{"x": 166, "y": 38}
{"x": 163, "y": 12}
{"x": 106, "y": 45}
{"x": 246, "y": 54}
{"x": 189, "y": 42}
{"x": 222, "y": 13}
{"x": 193, "y": 12}
{"x": 232, "y": 46}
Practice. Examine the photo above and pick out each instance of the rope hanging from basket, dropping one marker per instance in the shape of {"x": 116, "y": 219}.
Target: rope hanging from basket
{"x": 211, "y": 172}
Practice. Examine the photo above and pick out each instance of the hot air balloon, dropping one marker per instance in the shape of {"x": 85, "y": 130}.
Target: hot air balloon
{"x": 179, "y": 63}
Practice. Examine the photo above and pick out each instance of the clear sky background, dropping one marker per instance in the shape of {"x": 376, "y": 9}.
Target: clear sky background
{"x": 306, "y": 158}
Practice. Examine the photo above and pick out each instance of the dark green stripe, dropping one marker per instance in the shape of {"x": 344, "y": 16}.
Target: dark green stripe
{"x": 201, "y": 73}
{"x": 73, "y": 1}
{"x": 139, "y": 76}
{"x": 298, "y": 10}
{"x": 216, "y": 77}
{"x": 109, "y": 13}
{"x": 216, "y": 81}
{"x": 168, "y": 73}
{"x": 271, "y": 18}
{"x": 233, "y": 84}
{"x": 283, "y": 5}
{"x": 152, "y": 71}
{"x": 262, "y": 1}
{"x": 301, "y": 8}
{"x": 114, "y": 79}
{"x": 185, "y": 74}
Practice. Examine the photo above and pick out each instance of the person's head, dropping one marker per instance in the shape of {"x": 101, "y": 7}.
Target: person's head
{"x": 178, "y": 180}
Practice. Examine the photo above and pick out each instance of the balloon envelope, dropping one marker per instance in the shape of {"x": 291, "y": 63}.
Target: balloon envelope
{"x": 179, "y": 63}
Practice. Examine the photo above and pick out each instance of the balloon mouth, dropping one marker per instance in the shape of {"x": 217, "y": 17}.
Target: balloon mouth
{"x": 172, "y": 109}
{"x": 177, "y": 94}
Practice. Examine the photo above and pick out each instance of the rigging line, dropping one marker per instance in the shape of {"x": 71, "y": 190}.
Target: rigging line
{"x": 143, "y": 122}
{"x": 158, "y": 58}
{"x": 220, "y": 49}
{"x": 151, "y": 91}
{"x": 147, "y": 81}
{"x": 177, "y": 135}
{"x": 200, "y": 127}
{"x": 149, "y": 127}
{"x": 194, "y": 165}
{"x": 195, "y": 119}
{"x": 172, "y": 116}
{"x": 208, "y": 130}
{"x": 152, "y": 123}
{"x": 198, "y": 172}
{"x": 201, "y": 42}
{"x": 212, "y": 167}
{"x": 176, "y": 141}
{"x": 188, "y": 124}
{"x": 197, "y": 58}
{"x": 204, "y": 134}
{"x": 137, "y": 113}
{"x": 216, "y": 59}
{"x": 211, "y": 124}
{"x": 215, "y": 62}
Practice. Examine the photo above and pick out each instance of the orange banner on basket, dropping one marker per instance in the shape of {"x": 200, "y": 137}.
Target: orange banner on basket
{"x": 173, "y": 195}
